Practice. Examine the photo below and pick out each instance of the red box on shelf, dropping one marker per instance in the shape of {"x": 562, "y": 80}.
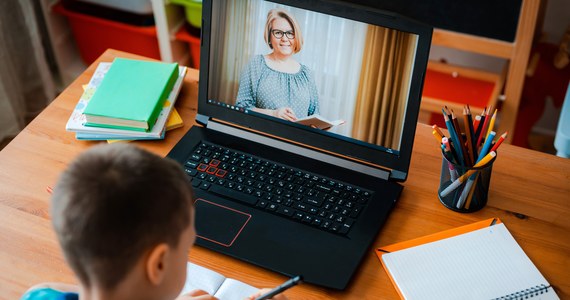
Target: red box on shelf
{"x": 95, "y": 35}
{"x": 193, "y": 44}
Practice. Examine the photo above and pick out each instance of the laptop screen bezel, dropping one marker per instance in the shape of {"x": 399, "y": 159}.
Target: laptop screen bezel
{"x": 356, "y": 151}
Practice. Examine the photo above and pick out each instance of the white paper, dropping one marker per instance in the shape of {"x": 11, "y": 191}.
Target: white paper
{"x": 484, "y": 264}
{"x": 200, "y": 278}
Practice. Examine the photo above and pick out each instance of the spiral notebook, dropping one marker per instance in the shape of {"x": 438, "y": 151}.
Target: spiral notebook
{"x": 480, "y": 263}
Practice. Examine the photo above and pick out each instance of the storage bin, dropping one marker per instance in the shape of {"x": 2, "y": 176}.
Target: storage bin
{"x": 142, "y": 7}
{"x": 193, "y": 44}
{"x": 193, "y": 11}
{"x": 95, "y": 35}
{"x": 131, "y": 12}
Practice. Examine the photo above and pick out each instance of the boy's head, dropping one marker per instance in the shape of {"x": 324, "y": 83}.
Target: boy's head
{"x": 117, "y": 206}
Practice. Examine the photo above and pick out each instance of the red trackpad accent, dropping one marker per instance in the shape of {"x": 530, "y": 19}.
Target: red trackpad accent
{"x": 217, "y": 223}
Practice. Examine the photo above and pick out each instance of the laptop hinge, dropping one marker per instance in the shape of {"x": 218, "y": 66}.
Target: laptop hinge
{"x": 289, "y": 147}
{"x": 202, "y": 119}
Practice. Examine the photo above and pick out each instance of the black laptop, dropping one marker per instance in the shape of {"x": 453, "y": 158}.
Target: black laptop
{"x": 286, "y": 195}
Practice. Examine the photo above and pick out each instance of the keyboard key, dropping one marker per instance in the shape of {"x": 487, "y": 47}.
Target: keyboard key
{"x": 287, "y": 211}
{"x": 191, "y": 172}
{"x": 205, "y": 185}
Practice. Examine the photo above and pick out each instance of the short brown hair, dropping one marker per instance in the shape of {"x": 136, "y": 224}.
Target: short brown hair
{"x": 281, "y": 13}
{"x": 114, "y": 203}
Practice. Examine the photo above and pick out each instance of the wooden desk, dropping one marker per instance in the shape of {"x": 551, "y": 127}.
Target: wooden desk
{"x": 529, "y": 192}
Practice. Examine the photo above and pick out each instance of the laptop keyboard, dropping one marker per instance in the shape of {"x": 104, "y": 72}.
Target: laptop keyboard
{"x": 289, "y": 192}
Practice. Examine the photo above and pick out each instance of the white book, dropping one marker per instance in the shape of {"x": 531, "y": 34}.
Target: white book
{"x": 483, "y": 264}
{"x": 318, "y": 121}
{"x": 77, "y": 119}
{"x": 200, "y": 278}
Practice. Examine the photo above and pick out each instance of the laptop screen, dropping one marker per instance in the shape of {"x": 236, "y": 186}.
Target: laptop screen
{"x": 342, "y": 79}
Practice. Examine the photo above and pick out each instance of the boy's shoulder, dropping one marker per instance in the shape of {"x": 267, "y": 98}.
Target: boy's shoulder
{"x": 48, "y": 294}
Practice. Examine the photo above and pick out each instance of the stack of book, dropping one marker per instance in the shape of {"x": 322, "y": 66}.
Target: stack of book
{"x": 128, "y": 100}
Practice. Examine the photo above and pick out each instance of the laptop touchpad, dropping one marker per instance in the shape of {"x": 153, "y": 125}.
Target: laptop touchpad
{"x": 217, "y": 223}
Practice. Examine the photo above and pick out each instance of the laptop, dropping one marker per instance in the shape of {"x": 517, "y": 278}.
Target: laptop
{"x": 285, "y": 195}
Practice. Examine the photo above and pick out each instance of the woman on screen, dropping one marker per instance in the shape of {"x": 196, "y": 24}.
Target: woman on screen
{"x": 276, "y": 84}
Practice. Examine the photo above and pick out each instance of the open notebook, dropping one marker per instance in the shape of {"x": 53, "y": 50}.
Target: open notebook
{"x": 486, "y": 263}
{"x": 200, "y": 278}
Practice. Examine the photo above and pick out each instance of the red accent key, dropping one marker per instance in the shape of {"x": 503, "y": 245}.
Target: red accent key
{"x": 221, "y": 173}
{"x": 202, "y": 167}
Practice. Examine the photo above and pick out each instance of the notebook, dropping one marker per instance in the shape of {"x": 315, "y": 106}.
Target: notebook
{"x": 215, "y": 284}
{"x": 288, "y": 197}
{"x": 483, "y": 263}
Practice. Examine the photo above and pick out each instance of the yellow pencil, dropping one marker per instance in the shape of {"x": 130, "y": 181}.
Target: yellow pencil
{"x": 438, "y": 137}
{"x": 491, "y": 123}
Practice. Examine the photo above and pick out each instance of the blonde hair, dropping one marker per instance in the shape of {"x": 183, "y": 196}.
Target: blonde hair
{"x": 280, "y": 13}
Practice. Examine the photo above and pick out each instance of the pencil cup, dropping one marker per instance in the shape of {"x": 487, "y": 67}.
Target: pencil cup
{"x": 464, "y": 189}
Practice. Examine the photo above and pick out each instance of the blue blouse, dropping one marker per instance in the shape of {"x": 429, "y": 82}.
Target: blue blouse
{"x": 263, "y": 87}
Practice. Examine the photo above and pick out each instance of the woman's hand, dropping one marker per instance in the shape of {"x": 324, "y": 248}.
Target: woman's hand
{"x": 285, "y": 113}
{"x": 264, "y": 291}
{"x": 196, "y": 295}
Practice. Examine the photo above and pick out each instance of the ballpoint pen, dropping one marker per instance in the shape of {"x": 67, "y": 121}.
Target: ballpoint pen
{"x": 280, "y": 289}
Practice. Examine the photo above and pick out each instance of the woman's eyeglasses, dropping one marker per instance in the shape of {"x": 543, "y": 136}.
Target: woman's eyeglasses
{"x": 279, "y": 34}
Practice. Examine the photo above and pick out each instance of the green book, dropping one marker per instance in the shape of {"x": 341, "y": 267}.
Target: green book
{"x": 131, "y": 94}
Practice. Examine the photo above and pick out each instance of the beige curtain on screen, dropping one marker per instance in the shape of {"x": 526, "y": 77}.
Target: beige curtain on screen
{"x": 384, "y": 86}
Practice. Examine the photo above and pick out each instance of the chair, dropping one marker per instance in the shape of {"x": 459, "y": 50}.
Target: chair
{"x": 562, "y": 139}
{"x": 516, "y": 53}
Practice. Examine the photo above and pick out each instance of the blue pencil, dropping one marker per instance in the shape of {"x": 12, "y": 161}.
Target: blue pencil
{"x": 454, "y": 138}
{"x": 487, "y": 145}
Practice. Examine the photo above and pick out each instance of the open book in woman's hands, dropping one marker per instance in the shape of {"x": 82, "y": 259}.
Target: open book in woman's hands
{"x": 318, "y": 121}
{"x": 217, "y": 285}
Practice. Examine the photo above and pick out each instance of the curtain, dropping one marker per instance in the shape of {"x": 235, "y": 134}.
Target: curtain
{"x": 26, "y": 84}
{"x": 234, "y": 46}
{"x": 332, "y": 50}
{"x": 384, "y": 86}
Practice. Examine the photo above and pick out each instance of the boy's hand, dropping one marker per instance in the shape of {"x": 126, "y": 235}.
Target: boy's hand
{"x": 196, "y": 295}
{"x": 264, "y": 291}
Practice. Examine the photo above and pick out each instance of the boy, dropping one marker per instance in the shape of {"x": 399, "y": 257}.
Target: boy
{"x": 125, "y": 221}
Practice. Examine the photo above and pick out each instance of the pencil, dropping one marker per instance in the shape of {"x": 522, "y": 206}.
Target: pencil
{"x": 483, "y": 129}
{"x": 437, "y": 136}
{"x": 454, "y": 139}
{"x": 436, "y": 128}
{"x": 499, "y": 141}
{"x": 468, "y": 129}
{"x": 491, "y": 123}
{"x": 486, "y": 146}
{"x": 460, "y": 138}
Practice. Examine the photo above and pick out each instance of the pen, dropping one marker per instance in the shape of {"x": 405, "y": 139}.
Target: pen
{"x": 280, "y": 289}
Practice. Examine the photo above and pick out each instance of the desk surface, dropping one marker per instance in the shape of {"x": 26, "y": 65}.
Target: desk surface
{"x": 529, "y": 192}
